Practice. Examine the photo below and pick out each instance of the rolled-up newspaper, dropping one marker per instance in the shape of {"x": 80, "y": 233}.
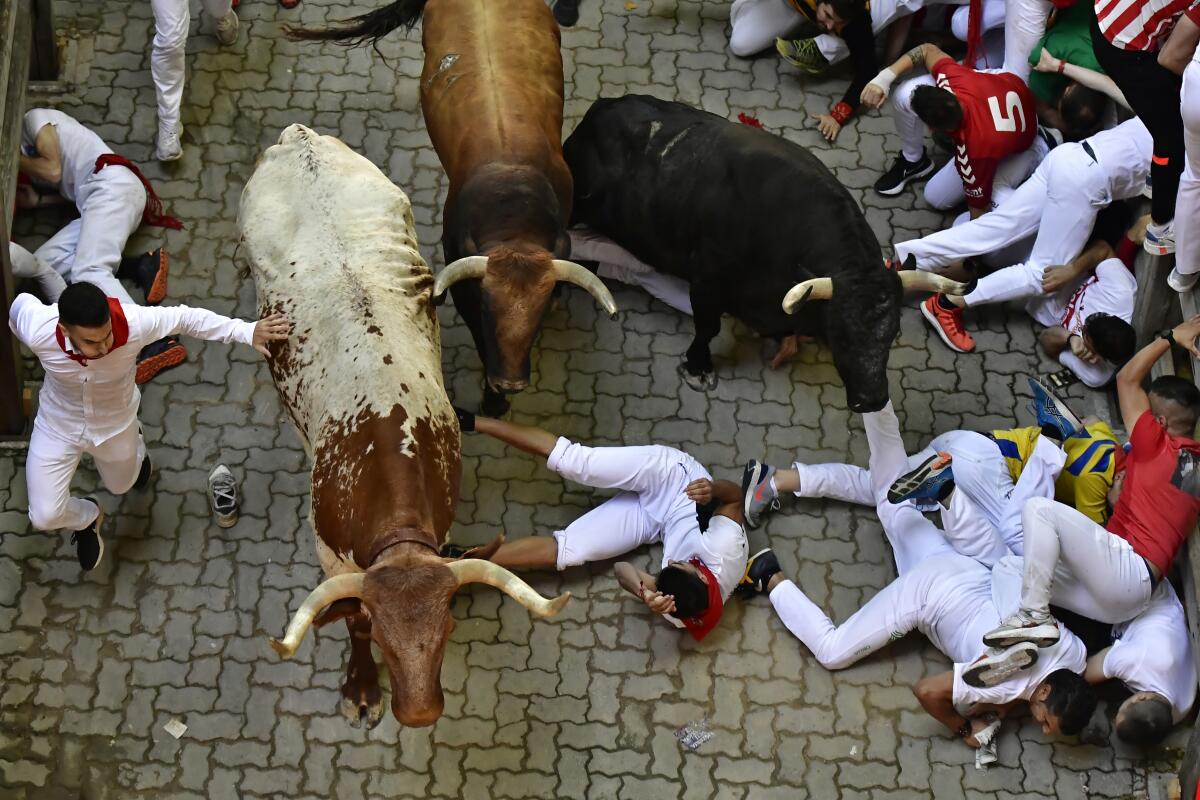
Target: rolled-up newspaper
{"x": 985, "y": 756}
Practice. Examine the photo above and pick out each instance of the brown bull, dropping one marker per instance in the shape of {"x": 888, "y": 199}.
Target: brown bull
{"x": 492, "y": 95}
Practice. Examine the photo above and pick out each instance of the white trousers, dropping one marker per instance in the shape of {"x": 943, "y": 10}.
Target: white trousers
{"x": 1187, "y": 203}
{"x": 1059, "y": 202}
{"x": 1077, "y": 564}
{"x": 754, "y": 24}
{"x": 1024, "y": 26}
{"x": 652, "y": 479}
{"x": 168, "y": 56}
{"x": 617, "y": 263}
{"x": 883, "y": 14}
{"x": 51, "y": 465}
{"x": 89, "y": 248}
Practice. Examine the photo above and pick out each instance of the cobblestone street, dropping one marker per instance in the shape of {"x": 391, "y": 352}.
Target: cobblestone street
{"x": 175, "y": 621}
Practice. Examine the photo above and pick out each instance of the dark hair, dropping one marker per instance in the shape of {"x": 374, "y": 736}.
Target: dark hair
{"x": 846, "y": 10}
{"x": 83, "y": 304}
{"x": 937, "y": 108}
{"x": 1071, "y": 699}
{"x": 1112, "y": 337}
{"x": 1183, "y": 392}
{"x": 690, "y": 593}
{"x": 1082, "y": 109}
{"x": 1146, "y": 721}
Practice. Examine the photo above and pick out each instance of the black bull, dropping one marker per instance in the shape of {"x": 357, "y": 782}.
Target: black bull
{"x": 742, "y": 215}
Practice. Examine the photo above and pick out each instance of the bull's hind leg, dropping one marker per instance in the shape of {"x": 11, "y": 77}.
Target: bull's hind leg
{"x": 362, "y": 701}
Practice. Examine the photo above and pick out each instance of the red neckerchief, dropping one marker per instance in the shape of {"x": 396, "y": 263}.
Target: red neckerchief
{"x": 1075, "y": 304}
{"x": 120, "y": 332}
{"x": 699, "y": 626}
{"x": 153, "y": 212}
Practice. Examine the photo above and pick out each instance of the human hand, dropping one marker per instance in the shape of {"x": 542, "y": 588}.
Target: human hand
{"x": 700, "y": 491}
{"x": 1056, "y": 277}
{"x": 980, "y": 709}
{"x": 828, "y": 126}
{"x": 873, "y": 95}
{"x": 1081, "y": 350}
{"x": 272, "y": 328}
{"x": 977, "y": 727}
{"x": 658, "y": 602}
{"x": 1185, "y": 334}
{"x": 1046, "y": 62}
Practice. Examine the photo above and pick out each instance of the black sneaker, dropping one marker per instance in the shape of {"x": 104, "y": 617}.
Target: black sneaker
{"x": 566, "y": 12}
{"x": 762, "y": 566}
{"x": 143, "y": 478}
{"x": 89, "y": 547}
{"x": 902, "y": 173}
{"x": 149, "y": 272}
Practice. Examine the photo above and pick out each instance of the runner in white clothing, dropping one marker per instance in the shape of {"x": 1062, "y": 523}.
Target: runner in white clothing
{"x": 168, "y": 62}
{"x": 64, "y": 157}
{"x": 666, "y": 498}
{"x": 87, "y": 345}
{"x": 949, "y": 598}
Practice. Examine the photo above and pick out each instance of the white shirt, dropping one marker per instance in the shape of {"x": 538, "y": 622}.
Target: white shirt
{"x": 78, "y": 146}
{"x": 1067, "y": 653}
{"x": 1153, "y": 652}
{"x": 722, "y": 548}
{"x": 959, "y": 608}
{"x": 90, "y": 404}
{"x": 1124, "y": 152}
{"x": 1110, "y": 291}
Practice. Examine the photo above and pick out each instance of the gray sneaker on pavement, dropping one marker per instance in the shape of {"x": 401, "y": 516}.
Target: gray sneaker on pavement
{"x": 223, "y": 495}
{"x": 758, "y": 495}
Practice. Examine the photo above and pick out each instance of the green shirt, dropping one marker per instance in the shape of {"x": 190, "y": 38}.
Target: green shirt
{"x": 1070, "y": 39}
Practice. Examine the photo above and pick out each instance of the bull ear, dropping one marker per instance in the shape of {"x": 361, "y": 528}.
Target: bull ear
{"x": 485, "y": 552}
{"x": 341, "y": 609}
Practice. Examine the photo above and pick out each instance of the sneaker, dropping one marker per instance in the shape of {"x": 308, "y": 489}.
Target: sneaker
{"x": 158, "y": 356}
{"x": 143, "y": 478}
{"x": 149, "y": 272}
{"x": 168, "y": 147}
{"x": 998, "y": 665}
{"x": 1023, "y": 627}
{"x": 933, "y": 479}
{"x": 1160, "y": 239}
{"x": 758, "y": 494}
{"x": 89, "y": 546}
{"x": 566, "y": 12}
{"x": 1051, "y": 411}
{"x": 902, "y": 173}
{"x": 762, "y": 566}
{"x": 1180, "y": 282}
{"x": 451, "y": 550}
{"x": 223, "y": 495}
{"x": 803, "y": 53}
{"x": 227, "y": 28}
{"x": 948, "y": 324}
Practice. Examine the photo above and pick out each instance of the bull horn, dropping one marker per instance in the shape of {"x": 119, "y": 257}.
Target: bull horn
{"x": 584, "y": 278}
{"x": 475, "y": 570}
{"x": 460, "y": 270}
{"x": 330, "y": 591}
{"x": 813, "y": 289}
{"x": 919, "y": 280}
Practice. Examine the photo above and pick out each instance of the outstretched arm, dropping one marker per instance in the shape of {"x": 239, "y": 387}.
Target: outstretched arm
{"x": 523, "y": 437}
{"x": 155, "y": 323}
{"x": 1130, "y": 395}
{"x": 1081, "y": 75}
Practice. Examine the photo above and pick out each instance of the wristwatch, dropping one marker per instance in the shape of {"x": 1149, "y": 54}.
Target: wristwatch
{"x": 1168, "y": 334}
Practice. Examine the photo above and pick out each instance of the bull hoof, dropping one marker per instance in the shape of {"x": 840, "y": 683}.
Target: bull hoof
{"x": 362, "y": 713}
{"x": 704, "y": 382}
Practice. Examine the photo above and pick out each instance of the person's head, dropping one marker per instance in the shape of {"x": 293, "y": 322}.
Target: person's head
{"x": 1082, "y": 110}
{"x": 1063, "y": 703}
{"x": 682, "y": 581}
{"x": 833, "y": 15}
{"x": 1175, "y": 403}
{"x": 1109, "y": 337}
{"x": 84, "y": 319}
{"x": 1144, "y": 719}
{"x": 937, "y": 108}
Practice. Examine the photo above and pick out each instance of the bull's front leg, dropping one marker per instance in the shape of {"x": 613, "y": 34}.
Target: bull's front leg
{"x": 362, "y": 701}
{"x": 697, "y": 369}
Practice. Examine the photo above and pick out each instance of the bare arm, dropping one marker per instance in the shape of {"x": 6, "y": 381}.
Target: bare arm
{"x": 523, "y": 437}
{"x": 644, "y": 587}
{"x": 727, "y": 493}
{"x": 46, "y": 166}
{"x": 936, "y": 695}
{"x": 1094, "y": 673}
{"x": 1130, "y": 395}
{"x": 1180, "y": 46}
{"x": 1056, "y": 277}
{"x": 1081, "y": 75}
{"x": 923, "y": 55}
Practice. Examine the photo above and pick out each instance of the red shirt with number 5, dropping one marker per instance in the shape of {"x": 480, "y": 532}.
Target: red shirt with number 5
{"x": 999, "y": 119}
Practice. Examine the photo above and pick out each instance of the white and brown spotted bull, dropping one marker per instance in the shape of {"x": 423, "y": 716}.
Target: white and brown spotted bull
{"x": 330, "y": 241}
{"x": 492, "y": 95}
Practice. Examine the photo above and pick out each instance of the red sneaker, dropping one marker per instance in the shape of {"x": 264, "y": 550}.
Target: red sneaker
{"x": 157, "y": 356}
{"x": 948, "y": 325}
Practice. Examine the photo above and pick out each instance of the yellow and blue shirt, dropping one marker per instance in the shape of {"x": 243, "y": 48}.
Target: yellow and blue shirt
{"x": 1087, "y": 474}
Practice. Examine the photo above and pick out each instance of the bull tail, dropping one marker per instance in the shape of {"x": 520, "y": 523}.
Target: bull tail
{"x": 365, "y": 28}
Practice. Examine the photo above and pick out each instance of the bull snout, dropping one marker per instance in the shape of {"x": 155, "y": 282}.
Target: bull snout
{"x": 418, "y": 716}
{"x": 508, "y": 385}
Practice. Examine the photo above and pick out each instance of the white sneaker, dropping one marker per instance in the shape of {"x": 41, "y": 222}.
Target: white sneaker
{"x": 168, "y": 147}
{"x": 1180, "y": 282}
{"x": 1160, "y": 239}
{"x": 223, "y": 496}
{"x": 227, "y": 28}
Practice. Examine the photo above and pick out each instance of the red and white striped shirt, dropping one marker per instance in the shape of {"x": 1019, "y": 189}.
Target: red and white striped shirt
{"x": 1140, "y": 24}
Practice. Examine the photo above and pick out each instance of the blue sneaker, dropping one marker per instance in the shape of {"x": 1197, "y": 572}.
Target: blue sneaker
{"x": 932, "y": 480}
{"x": 1051, "y": 411}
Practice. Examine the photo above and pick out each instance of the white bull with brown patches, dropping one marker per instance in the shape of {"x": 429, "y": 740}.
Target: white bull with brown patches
{"x": 330, "y": 241}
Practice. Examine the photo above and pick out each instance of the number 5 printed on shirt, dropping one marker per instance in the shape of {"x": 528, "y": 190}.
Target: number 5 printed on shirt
{"x": 1008, "y": 121}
